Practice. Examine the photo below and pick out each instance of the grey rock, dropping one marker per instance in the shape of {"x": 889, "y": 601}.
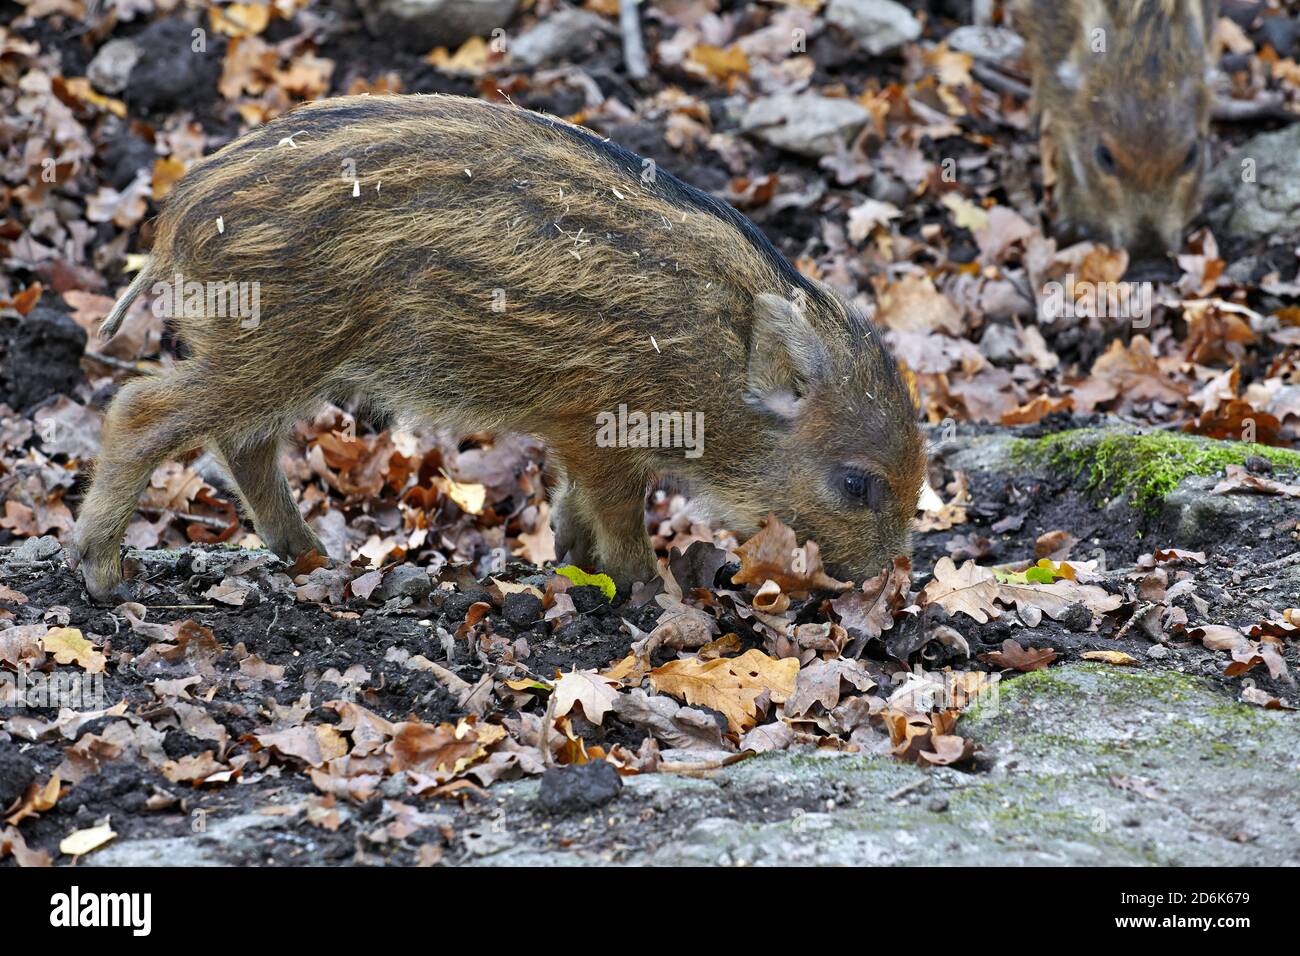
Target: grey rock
{"x": 579, "y": 787}
{"x": 1075, "y": 755}
{"x": 980, "y": 453}
{"x": 1199, "y": 519}
{"x": 37, "y": 549}
{"x": 994, "y": 44}
{"x": 1271, "y": 203}
{"x": 562, "y": 33}
{"x": 206, "y": 848}
{"x": 112, "y": 65}
{"x": 804, "y": 123}
{"x": 405, "y": 580}
{"x": 878, "y": 25}
{"x": 1189, "y": 517}
{"x": 421, "y": 25}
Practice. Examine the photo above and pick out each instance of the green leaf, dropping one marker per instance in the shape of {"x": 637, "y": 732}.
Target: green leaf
{"x": 1044, "y": 572}
{"x": 581, "y": 578}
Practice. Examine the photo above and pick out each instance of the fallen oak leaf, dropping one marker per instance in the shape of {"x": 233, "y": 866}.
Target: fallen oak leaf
{"x": 1239, "y": 479}
{"x": 10, "y": 595}
{"x": 728, "y": 643}
{"x": 681, "y": 728}
{"x": 823, "y": 682}
{"x": 970, "y": 590}
{"x": 1055, "y": 545}
{"x": 12, "y": 843}
{"x": 629, "y": 671}
{"x": 306, "y": 563}
{"x": 442, "y": 748}
{"x": 869, "y": 611}
{"x": 1218, "y": 637}
{"x": 1056, "y": 599}
{"x": 364, "y": 585}
{"x": 681, "y": 627}
{"x": 1016, "y": 657}
{"x": 1246, "y": 654}
{"x": 1253, "y": 695}
{"x": 197, "y": 769}
{"x": 774, "y": 554}
{"x": 313, "y": 744}
{"x": 729, "y": 685}
{"x": 596, "y": 695}
{"x": 1162, "y": 555}
{"x": 68, "y": 647}
{"x": 229, "y": 591}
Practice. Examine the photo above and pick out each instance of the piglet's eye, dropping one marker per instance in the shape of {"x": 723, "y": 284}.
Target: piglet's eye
{"x": 1105, "y": 158}
{"x": 1190, "y": 160}
{"x": 863, "y": 488}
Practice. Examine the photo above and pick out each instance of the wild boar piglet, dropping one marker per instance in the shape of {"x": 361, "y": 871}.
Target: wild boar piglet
{"x": 1122, "y": 94}
{"x": 481, "y": 267}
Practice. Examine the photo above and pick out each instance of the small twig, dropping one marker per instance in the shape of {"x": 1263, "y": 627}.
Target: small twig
{"x": 629, "y": 24}
{"x": 544, "y": 736}
{"x": 996, "y": 80}
{"x": 208, "y": 522}
{"x": 909, "y": 788}
{"x": 703, "y": 767}
{"x": 181, "y": 607}
{"x": 1143, "y": 610}
{"x": 123, "y": 364}
{"x": 1285, "y": 561}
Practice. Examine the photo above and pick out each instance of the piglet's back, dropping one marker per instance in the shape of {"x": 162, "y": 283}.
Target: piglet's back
{"x": 378, "y": 206}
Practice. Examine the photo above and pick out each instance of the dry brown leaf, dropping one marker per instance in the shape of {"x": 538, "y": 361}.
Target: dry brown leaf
{"x": 1055, "y": 599}
{"x": 774, "y": 554}
{"x": 822, "y": 682}
{"x": 1016, "y": 657}
{"x": 37, "y": 799}
{"x": 592, "y": 692}
{"x": 729, "y": 685}
{"x": 970, "y": 590}
{"x": 913, "y": 304}
{"x": 68, "y": 647}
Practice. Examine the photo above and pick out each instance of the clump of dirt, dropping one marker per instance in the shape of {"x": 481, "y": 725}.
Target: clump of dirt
{"x": 40, "y": 357}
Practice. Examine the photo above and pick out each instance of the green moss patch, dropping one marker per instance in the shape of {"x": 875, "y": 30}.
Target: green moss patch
{"x": 1145, "y": 465}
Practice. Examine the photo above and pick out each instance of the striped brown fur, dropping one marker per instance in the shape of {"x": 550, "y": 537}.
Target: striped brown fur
{"x": 1129, "y": 124}
{"x": 611, "y": 288}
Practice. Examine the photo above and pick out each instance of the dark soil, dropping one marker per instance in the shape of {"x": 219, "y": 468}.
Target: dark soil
{"x": 309, "y": 640}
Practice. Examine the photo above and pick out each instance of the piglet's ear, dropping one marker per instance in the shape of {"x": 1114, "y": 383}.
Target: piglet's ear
{"x": 786, "y": 356}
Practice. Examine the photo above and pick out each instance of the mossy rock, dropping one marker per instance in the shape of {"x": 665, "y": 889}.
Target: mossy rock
{"x": 1145, "y": 465}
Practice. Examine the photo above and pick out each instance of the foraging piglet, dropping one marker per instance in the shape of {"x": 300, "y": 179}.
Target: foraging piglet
{"x": 484, "y": 268}
{"x": 1121, "y": 92}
